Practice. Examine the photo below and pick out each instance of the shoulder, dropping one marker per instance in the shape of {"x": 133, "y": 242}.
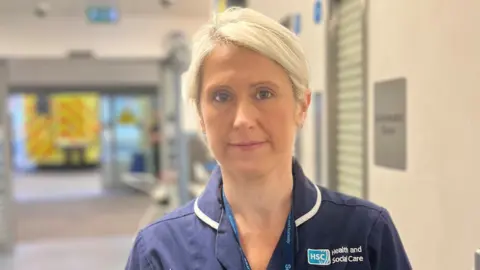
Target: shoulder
{"x": 343, "y": 203}
{"x": 166, "y": 233}
{"x": 344, "y": 200}
{"x": 363, "y": 223}
{"x": 349, "y": 214}
{"x": 158, "y": 242}
{"x": 170, "y": 223}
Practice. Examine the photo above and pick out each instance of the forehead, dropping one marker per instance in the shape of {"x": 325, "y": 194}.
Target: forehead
{"x": 229, "y": 63}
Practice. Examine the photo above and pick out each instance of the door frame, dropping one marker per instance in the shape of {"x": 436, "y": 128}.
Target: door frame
{"x": 318, "y": 117}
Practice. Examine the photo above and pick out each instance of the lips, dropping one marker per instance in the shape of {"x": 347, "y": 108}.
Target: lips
{"x": 250, "y": 145}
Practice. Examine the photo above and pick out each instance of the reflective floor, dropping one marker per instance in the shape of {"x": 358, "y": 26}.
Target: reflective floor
{"x": 53, "y": 186}
{"x": 64, "y": 221}
{"x": 73, "y": 254}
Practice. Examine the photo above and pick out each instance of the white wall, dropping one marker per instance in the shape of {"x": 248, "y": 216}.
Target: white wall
{"x": 435, "y": 203}
{"x": 131, "y": 37}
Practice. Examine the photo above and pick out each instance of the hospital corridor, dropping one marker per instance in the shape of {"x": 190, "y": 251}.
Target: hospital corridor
{"x": 99, "y": 140}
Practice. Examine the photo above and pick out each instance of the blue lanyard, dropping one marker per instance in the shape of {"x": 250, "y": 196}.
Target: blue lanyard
{"x": 287, "y": 238}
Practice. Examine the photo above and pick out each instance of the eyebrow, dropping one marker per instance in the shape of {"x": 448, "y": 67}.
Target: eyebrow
{"x": 255, "y": 84}
{"x": 263, "y": 83}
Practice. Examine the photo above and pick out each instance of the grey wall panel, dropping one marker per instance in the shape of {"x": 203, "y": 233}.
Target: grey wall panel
{"x": 390, "y": 139}
{"x": 83, "y": 72}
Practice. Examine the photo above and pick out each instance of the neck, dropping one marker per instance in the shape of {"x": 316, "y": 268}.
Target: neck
{"x": 262, "y": 200}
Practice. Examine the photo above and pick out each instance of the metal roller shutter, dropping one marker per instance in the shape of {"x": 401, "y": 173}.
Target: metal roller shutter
{"x": 350, "y": 97}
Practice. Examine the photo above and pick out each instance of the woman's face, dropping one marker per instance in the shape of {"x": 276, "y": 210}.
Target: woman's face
{"x": 248, "y": 110}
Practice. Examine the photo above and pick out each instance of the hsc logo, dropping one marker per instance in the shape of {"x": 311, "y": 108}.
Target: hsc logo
{"x": 319, "y": 257}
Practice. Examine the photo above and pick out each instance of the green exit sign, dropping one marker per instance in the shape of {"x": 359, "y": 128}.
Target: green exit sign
{"x": 102, "y": 14}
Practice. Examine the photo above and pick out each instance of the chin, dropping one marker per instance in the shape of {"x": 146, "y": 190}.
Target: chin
{"x": 248, "y": 168}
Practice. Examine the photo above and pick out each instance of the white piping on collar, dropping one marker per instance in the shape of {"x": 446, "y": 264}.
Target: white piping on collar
{"x": 299, "y": 221}
{"x": 202, "y": 216}
{"x": 312, "y": 211}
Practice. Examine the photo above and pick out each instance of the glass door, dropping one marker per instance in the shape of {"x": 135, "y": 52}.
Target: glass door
{"x": 135, "y": 131}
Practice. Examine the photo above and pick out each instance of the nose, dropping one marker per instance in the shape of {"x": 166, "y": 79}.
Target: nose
{"x": 246, "y": 115}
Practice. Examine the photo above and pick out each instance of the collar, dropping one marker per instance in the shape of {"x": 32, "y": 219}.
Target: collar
{"x": 307, "y": 198}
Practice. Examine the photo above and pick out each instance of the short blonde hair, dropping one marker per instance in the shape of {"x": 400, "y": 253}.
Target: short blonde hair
{"x": 252, "y": 30}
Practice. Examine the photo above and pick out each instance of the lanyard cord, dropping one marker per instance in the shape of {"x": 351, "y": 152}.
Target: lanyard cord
{"x": 286, "y": 239}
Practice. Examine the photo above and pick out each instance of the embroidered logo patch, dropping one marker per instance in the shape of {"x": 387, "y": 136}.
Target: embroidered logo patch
{"x": 319, "y": 257}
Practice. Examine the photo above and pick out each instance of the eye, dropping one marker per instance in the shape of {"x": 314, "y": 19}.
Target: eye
{"x": 221, "y": 96}
{"x": 264, "y": 94}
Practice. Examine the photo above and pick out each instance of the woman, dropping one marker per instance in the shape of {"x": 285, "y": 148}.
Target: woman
{"x": 249, "y": 81}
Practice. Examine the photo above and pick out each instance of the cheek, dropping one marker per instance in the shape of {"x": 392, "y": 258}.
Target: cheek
{"x": 214, "y": 123}
{"x": 281, "y": 122}
{"x": 216, "y": 133}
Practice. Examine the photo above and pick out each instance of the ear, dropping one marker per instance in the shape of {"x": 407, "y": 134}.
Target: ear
{"x": 303, "y": 108}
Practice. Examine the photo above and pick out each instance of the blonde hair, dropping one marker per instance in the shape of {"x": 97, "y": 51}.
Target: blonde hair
{"x": 252, "y": 30}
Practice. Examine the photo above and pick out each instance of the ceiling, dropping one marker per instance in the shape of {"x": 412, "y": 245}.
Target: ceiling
{"x": 76, "y": 8}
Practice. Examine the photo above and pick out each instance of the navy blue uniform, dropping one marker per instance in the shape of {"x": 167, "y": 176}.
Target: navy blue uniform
{"x": 333, "y": 231}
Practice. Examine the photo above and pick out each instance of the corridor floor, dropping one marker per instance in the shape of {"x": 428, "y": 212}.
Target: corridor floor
{"x": 64, "y": 221}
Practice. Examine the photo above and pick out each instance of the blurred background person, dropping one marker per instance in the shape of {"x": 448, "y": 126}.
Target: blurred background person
{"x": 155, "y": 144}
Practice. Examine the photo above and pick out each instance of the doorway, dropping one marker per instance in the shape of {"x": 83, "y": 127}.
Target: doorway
{"x": 347, "y": 96}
